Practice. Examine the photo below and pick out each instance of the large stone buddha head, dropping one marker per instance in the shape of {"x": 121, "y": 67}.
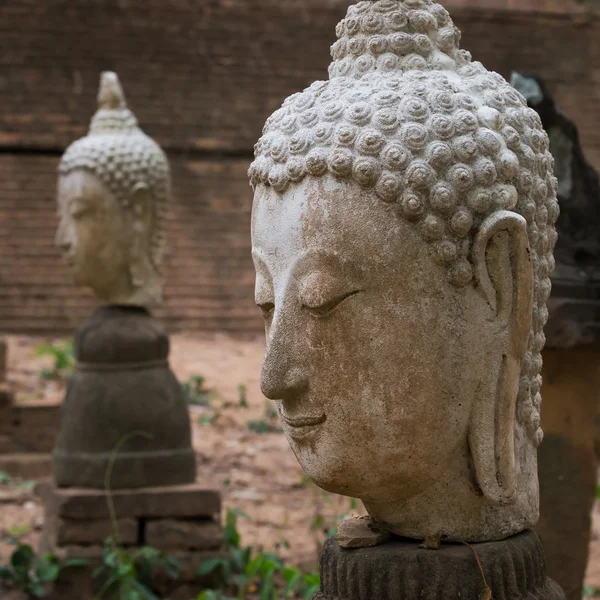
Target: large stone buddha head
{"x": 402, "y": 233}
{"x": 113, "y": 188}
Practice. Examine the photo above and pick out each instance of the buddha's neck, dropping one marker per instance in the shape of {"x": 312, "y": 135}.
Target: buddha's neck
{"x": 125, "y": 292}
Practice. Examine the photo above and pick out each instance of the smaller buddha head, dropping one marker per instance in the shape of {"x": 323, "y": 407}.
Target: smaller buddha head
{"x": 113, "y": 189}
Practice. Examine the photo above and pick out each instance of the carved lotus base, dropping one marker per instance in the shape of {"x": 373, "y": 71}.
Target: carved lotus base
{"x": 399, "y": 570}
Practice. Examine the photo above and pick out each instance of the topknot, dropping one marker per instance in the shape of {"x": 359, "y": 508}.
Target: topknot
{"x": 123, "y": 157}
{"x": 407, "y": 113}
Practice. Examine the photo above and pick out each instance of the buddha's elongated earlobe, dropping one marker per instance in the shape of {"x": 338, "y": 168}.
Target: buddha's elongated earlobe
{"x": 504, "y": 273}
{"x": 141, "y": 208}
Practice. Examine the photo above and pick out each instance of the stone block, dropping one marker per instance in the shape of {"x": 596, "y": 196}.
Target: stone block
{"x": 3, "y": 359}
{"x": 35, "y": 426}
{"x": 6, "y": 396}
{"x": 27, "y": 465}
{"x": 65, "y": 532}
{"x": 6, "y": 444}
{"x": 185, "y": 501}
{"x": 180, "y": 534}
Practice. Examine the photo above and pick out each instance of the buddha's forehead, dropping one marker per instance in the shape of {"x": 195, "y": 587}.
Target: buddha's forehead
{"x": 83, "y": 186}
{"x": 332, "y": 223}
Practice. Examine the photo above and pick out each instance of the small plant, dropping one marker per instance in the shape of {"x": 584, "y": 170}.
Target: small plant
{"x": 195, "y": 393}
{"x": 243, "y": 392}
{"x": 64, "y": 360}
{"x": 129, "y": 576}
{"x": 208, "y": 420}
{"x": 591, "y": 591}
{"x": 29, "y": 573}
{"x": 269, "y": 423}
{"x": 245, "y": 570}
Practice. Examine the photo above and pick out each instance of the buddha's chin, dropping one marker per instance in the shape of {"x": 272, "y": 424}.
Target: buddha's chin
{"x": 326, "y": 472}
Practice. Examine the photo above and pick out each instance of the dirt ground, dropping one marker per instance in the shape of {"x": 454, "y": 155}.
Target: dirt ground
{"x": 256, "y": 472}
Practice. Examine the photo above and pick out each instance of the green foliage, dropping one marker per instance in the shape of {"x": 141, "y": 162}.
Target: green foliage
{"x": 5, "y": 478}
{"x": 246, "y": 570}
{"x": 243, "y": 392}
{"x": 128, "y": 576}
{"x": 195, "y": 393}
{"x": 591, "y": 591}
{"x": 207, "y": 420}
{"x": 64, "y": 359}
{"x": 29, "y": 573}
{"x": 125, "y": 575}
{"x": 269, "y": 423}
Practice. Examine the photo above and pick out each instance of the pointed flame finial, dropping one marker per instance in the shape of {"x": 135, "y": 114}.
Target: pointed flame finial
{"x": 110, "y": 94}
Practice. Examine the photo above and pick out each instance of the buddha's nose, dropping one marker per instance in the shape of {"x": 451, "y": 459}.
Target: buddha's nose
{"x": 283, "y": 375}
{"x": 62, "y": 239}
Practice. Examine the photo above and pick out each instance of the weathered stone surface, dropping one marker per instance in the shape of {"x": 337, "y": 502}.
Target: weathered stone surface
{"x": 65, "y": 532}
{"x": 568, "y": 463}
{"x": 179, "y": 534}
{"x": 402, "y": 236}
{"x": 113, "y": 190}
{"x": 29, "y": 465}
{"x": 185, "y": 501}
{"x": 359, "y": 532}
{"x": 3, "y": 360}
{"x": 5, "y": 396}
{"x": 34, "y": 426}
{"x": 512, "y": 569}
{"x": 123, "y": 394}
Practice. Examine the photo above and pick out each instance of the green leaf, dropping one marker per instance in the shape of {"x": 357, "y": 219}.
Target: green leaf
{"x": 75, "y": 562}
{"x": 22, "y": 558}
{"x": 47, "y": 568}
{"x": 209, "y": 566}
{"x": 19, "y": 531}
{"x": 145, "y": 593}
{"x": 37, "y": 589}
{"x": 5, "y": 477}
{"x": 6, "y": 574}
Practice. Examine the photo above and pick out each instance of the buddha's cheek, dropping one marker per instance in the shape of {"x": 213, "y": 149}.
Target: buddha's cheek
{"x": 381, "y": 377}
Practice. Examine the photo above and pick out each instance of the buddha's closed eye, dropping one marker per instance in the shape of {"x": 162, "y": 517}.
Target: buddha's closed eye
{"x": 320, "y": 308}
{"x": 316, "y": 307}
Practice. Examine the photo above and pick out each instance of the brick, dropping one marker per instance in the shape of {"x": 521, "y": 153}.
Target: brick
{"x": 179, "y": 534}
{"x": 6, "y": 397}
{"x": 35, "y": 427}
{"x": 65, "y": 532}
{"x": 186, "y": 501}
{"x": 3, "y": 360}
{"x": 27, "y": 465}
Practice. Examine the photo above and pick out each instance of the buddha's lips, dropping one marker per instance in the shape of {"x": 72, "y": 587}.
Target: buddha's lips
{"x": 304, "y": 421}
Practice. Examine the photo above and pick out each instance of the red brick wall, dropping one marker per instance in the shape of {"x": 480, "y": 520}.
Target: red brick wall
{"x": 528, "y": 5}
{"x": 202, "y": 76}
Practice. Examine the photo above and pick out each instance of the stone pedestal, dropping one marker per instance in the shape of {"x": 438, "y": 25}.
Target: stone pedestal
{"x": 514, "y": 569}
{"x": 183, "y": 521}
{"x": 123, "y": 386}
